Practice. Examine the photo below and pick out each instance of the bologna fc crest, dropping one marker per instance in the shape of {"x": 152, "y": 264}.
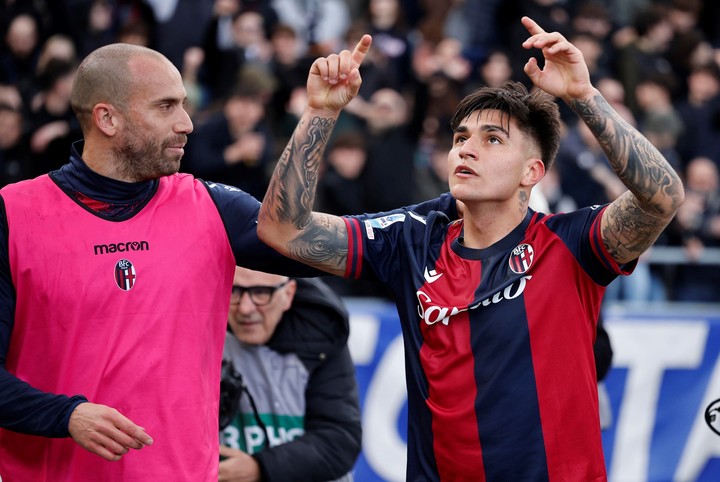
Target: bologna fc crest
{"x": 712, "y": 416}
{"x": 125, "y": 275}
{"x": 521, "y": 258}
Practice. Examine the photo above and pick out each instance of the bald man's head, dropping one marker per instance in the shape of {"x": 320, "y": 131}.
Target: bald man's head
{"x": 104, "y": 76}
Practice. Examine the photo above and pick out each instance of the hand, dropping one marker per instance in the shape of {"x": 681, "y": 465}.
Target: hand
{"x": 690, "y": 213}
{"x": 238, "y": 466}
{"x": 105, "y": 432}
{"x": 44, "y": 135}
{"x": 248, "y": 149}
{"x": 335, "y": 80}
{"x": 193, "y": 59}
{"x": 565, "y": 74}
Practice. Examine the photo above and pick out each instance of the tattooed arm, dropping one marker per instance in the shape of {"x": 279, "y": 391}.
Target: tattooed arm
{"x": 286, "y": 221}
{"x": 632, "y": 223}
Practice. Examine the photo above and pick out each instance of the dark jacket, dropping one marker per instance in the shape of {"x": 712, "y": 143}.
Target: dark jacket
{"x": 316, "y": 328}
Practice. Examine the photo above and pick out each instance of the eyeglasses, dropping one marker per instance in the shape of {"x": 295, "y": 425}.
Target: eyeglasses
{"x": 260, "y": 295}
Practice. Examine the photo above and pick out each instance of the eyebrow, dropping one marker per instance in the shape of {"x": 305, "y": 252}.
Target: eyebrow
{"x": 170, "y": 100}
{"x": 462, "y": 129}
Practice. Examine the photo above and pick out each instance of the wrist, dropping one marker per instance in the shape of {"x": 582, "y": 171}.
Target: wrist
{"x": 582, "y": 96}
{"x": 322, "y": 112}
{"x": 63, "y": 428}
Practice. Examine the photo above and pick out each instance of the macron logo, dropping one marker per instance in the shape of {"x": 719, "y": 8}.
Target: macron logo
{"x": 432, "y": 275}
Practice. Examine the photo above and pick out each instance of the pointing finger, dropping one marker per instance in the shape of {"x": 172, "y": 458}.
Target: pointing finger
{"x": 361, "y": 49}
{"x": 531, "y": 26}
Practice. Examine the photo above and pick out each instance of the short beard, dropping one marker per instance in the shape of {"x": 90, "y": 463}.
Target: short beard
{"x": 142, "y": 161}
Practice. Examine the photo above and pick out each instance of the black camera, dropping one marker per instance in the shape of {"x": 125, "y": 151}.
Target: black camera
{"x": 231, "y": 388}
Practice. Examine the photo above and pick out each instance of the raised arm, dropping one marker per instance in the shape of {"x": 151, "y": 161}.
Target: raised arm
{"x": 632, "y": 223}
{"x": 286, "y": 220}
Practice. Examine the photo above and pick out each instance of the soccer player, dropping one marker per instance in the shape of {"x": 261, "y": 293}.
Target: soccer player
{"x": 115, "y": 279}
{"x": 498, "y": 309}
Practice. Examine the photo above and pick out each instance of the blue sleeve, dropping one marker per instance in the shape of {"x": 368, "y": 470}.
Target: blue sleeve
{"x": 387, "y": 246}
{"x": 580, "y": 232}
{"x": 239, "y": 212}
{"x": 23, "y": 408}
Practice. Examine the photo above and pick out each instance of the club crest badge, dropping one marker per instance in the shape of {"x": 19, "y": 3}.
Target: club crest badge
{"x": 712, "y": 416}
{"x": 125, "y": 275}
{"x": 521, "y": 258}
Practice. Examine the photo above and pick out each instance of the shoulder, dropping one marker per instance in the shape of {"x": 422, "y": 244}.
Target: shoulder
{"x": 24, "y": 186}
{"x": 230, "y": 200}
{"x": 231, "y": 194}
{"x": 573, "y": 219}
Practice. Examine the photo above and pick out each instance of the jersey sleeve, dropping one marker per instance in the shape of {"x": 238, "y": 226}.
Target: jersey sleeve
{"x": 381, "y": 246}
{"x": 580, "y": 231}
{"x": 239, "y": 212}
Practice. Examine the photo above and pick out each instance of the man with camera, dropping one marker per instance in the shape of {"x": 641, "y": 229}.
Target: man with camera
{"x": 289, "y": 406}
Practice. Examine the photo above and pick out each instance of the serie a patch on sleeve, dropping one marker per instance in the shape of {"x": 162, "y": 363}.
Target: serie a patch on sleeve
{"x": 381, "y": 223}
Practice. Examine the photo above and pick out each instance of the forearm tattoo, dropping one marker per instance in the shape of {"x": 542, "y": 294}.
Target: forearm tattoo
{"x": 639, "y": 216}
{"x": 320, "y": 242}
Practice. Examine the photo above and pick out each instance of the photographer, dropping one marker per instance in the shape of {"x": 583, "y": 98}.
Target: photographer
{"x": 289, "y": 405}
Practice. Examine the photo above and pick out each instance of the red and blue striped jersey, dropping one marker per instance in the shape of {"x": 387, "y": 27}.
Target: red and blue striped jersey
{"x": 498, "y": 342}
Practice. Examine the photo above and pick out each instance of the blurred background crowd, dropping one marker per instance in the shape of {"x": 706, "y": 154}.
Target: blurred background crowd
{"x": 245, "y": 63}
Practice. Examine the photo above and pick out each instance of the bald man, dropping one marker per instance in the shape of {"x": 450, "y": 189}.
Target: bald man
{"x": 115, "y": 279}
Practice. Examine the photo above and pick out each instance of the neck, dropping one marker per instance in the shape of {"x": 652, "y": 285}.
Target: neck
{"x": 488, "y": 223}
{"x": 101, "y": 161}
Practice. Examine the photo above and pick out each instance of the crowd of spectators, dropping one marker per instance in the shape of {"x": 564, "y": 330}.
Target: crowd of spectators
{"x": 245, "y": 63}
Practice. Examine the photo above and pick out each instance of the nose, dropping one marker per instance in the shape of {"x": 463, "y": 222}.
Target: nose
{"x": 467, "y": 151}
{"x": 184, "y": 124}
{"x": 246, "y": 305}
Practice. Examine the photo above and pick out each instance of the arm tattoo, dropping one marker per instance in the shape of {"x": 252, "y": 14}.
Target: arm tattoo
{"x": 323, "y": 244}
{"x": 637, "y": 217}
{"x": 320, "y": 242}
{"x": 292, "y": 199}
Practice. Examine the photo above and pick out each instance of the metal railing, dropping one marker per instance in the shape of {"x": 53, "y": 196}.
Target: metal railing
{"x": 678, "y": 255}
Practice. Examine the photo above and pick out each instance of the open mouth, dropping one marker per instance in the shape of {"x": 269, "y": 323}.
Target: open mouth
{"x": 464, "y": 170}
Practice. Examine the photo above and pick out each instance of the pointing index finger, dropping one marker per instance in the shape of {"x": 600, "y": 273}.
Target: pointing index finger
{"x": 532, "y": 26}
{"x": 361, "y": 49}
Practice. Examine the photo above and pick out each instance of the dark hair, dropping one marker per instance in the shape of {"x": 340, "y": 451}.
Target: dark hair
{"x": 710, "y": 68}
{"x": 649, "y": 17}
{"x": 592, "y": 9}
{"x": 53, "y": 71}
{"x": 536, "y": 113}
{"x": 665, "y": 80}
{"x": 348, "y": 140}
{"x": 283, "y": 29}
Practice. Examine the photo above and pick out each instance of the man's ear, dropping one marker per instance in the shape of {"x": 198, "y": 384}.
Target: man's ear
{"x": 105, "y": 118}
{"x": 535, "y": 171}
